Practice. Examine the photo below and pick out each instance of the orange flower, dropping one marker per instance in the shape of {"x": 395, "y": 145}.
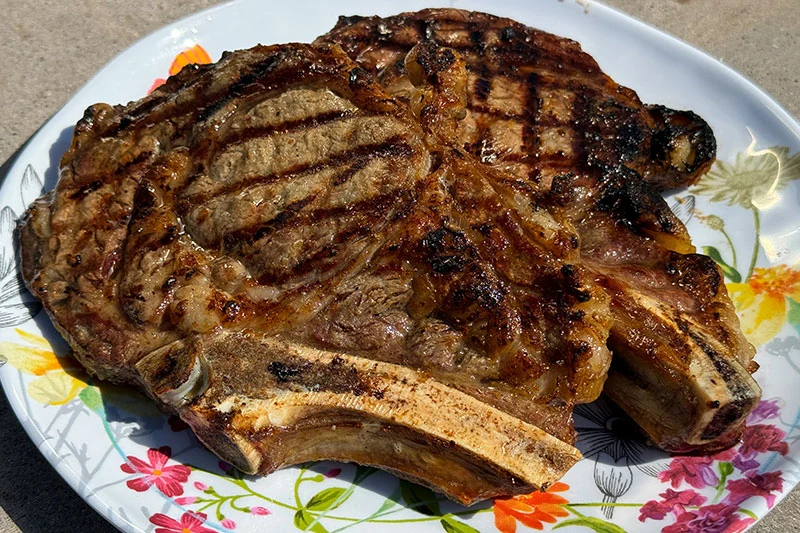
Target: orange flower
{"x": 761, "y": 302}
{"x": 196, "y": 55}
{"x": 531, "y": 509}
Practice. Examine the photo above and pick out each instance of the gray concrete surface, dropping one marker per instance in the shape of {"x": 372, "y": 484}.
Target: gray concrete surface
{"x": 48, "y": 49}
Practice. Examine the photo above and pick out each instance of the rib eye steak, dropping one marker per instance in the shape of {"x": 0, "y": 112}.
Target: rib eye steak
{"x": 539, "y": 109}
{"x": 285, "y": 256}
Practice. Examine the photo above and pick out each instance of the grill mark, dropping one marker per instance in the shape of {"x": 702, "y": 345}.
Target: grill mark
{"x": 377, "y": 206}
{"x": 290, "y": 126}
{"x": 394, "y": 147}
{"x": 255, "y": 79}
{"x": 532, "y": 104}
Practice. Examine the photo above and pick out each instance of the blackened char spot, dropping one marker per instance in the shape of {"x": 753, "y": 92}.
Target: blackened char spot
{"x": 337, "y": 376}
{"x": 445, "y": 250}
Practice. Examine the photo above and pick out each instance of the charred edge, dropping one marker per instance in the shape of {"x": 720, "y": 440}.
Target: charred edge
{"x": 188, "y": 77}
{"x": 674, "y": 124}
{"x": 631, "y": 200}
{"x": 337, "y": 376}
{"x": 393, "y": 148}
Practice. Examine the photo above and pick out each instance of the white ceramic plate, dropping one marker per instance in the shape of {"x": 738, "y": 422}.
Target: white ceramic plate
{"x": 144, "y": 472}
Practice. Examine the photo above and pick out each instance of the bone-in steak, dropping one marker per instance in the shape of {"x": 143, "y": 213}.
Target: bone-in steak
{"x": 540, "y": 109}
{"x": 282, "y": 254}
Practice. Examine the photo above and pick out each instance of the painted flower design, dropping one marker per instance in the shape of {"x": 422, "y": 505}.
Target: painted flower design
{"x": 697, "y": 471}
{"x": 763, "y": 301}
{"x": 672, "y": 501}
{"x": 196, "y": 55}
{"x": 762, "y": 485}
{"x": 167, "y": 479}
{"x": 190, "y": 522}
{"x": 58, "y": 379}
{"x": 608, "y": 436}
{"x": 533, "y": 510}
{"x": 717, "y": 518}
{"x": 763, "y": 438}
{"x": 753, "y": 179}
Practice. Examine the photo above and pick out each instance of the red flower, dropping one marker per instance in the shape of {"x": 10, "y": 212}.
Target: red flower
{"x": 191, "y": 522}
{"x": 167, "y": 479}
{"x": 755, "y": 485}
{"x": 228, "y": 524}
{"x": 696, "y": 471}
{"x": 531, "y": 509}
{"x": 761, "y": 438}
{"x": 717, "y": 518}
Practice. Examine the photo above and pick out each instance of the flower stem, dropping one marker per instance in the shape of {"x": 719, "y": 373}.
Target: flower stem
{"x": 756, "y": 244}
{"x": 604, "y": 504}
{"x": 749, "y": 513}
{"x": 732, "y": 247}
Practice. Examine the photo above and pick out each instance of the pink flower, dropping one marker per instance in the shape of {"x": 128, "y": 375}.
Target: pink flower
{"x": 761, "y": 438}
{"x": 185, "y": 500}
{"x": 745, "y": 463}
{"x": 261, "y": 511}
{"x": 673, "y": 501}
{"x": 167, "y": 479}
{"x": 653, "y": 510}
{"x": 765, "y": 410}
{"x": 191, "y": 522}
{"x": 696, "y": 471}
{"x": 717, "y": 518}
{"x": 200, "y": 486}
{"x": 682, "y": 498}
{"x": 228, "y": 524}
{"x": 333, "y": 472}
{"x": 755, "y": 485}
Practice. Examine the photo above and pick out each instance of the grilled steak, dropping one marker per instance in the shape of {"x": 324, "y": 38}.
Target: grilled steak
{"x": 285, "y": 256}
{"x": 540, "y": 110}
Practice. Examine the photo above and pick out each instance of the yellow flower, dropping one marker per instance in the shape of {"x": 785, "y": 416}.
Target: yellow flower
{"x": 761, "y": 302}
{"x": 58, "y": 379}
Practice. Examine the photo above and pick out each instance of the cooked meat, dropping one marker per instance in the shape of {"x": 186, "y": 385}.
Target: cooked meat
{"x": 540, "y": 110}
{"x": 536, "y": 103}
{"x": 285, "y": 256}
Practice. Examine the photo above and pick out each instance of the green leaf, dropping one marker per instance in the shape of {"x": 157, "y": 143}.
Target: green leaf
{"x": 451, "y": 525}
{"x": 725, "y": 468}
{"x": 303, "y": 520}
{"x": 419, "y": 498}
{"x": 595, "y": 524}
{"x": 793, "y": 314}
{"x": 326, "y": 499}
{"x": 91, "y": 397}
{"x": 362, "y": 473}
{"x": 730, "y": 272}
